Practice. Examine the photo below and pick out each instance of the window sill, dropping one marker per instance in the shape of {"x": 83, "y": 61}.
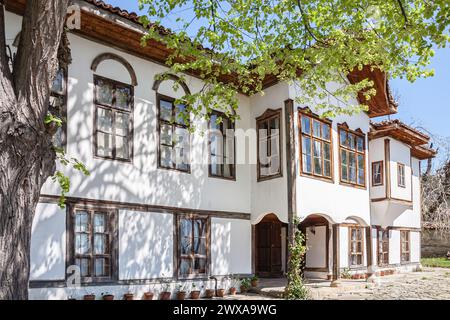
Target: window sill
{"x": 352, "y": 185}
{"x": 129, "y": 161}
{"x": 175, "y": 170}
{"x": 268, "y": 178}
{"x": 232, "y": 179}
{"x": 324, "y": 179}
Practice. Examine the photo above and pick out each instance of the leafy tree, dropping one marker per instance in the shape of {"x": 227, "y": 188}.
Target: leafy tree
{"x": 312, "y": 42}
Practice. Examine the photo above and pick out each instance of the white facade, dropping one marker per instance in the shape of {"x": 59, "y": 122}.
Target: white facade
{"x": 148, "y": 200}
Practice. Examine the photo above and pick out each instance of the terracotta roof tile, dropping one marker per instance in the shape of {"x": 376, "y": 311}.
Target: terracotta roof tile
{"x": 378, "y": 125}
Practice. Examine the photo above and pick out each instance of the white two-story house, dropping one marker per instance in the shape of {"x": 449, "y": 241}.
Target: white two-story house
{"x": 159, "y": 210}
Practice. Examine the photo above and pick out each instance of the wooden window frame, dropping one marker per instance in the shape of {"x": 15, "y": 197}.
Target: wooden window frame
{"x": 224, "y": 136}
{"x": 380, "y": 241}
{"x": 177, "y": 247}
{"x": 174, "y": 125}
{"x": 114, "y": 110}
{"x": 408, "y": 242}
{"x": 401, "y": 168}
{"x": 63, "y": 116}
{"x": 112, "y": 222}
{"x": 350, "y": 241}
{"x": 381, "y": 164}
{"x": 307, "y": 113}
{"x": 267, "y": 116}
{"x": 357, "y": 133}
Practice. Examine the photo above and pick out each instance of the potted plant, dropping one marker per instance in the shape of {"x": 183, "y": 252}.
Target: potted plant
{"x": 195, "y": 294}
{"x": 128, "y": 296}
{"x": 107, "y": 296}
{"x": 234, "y": 284}
{"x": 181, "y": 294}
{"x": 254, "y": 281}
{"x": 220, "y": 293}
{"x": 245, "y": 285}
{"x": 166, "y": 294}
{"x": 149, "y": 294}
{"x": 89, "y": 297}
{"x": 210, "y": 293}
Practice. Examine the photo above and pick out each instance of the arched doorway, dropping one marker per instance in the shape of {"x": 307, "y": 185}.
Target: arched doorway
{"x": 270, "y": 247}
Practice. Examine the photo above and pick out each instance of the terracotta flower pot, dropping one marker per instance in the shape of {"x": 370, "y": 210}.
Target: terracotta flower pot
{"x": 382, "y": 273}
{"x": 165, "y": 295}
{"x": 209, "y": 294}
{"x": 89, "y": 297}
{"x": 148, "y": 296}
{"x": 221, "y": 293}
{"x": 181, "y": 295}
{"x": 244, "y": 289}
{"x": 255, "y": 283}
{"x": 108, "y": 297}
{"x": 128, "y": 296}
{"x": 195, "y": 295}
{"x": 355, "y": 276}
{"x": 233, "y": 291}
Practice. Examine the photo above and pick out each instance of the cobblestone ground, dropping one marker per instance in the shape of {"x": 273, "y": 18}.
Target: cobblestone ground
{"x": 429, "y": 284}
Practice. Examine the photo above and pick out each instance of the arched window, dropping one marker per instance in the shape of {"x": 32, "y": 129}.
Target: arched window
{"x": 114, "y": 105}
{"x": 174, "y": 139}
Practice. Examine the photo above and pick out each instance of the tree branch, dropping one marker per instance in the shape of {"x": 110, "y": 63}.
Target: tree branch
{"x": 7, "y": 93}
{"x": 36, "y": 61}
{"x": 403, "y": 12}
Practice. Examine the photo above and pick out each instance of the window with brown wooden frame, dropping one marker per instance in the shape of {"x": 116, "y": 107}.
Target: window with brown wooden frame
{"x": 356, "y": 246}
{"x": 174, "y": 136}
{"x": 58, "y": 107}
{"x": 222, "y": 163}
{"x": 113, "y": 119}
{"x": 401, "y": 175}
{"x": 377, "y": 173}
{"x": 93, "y": 243}
{"x": 352, "y": 153}
{"x": 193, "y": 246}
{"x": 405, "y": 246}
{"x": 316, "y": 146}
{"x": 269, "y": 145}
{"x": 383, "y": 247}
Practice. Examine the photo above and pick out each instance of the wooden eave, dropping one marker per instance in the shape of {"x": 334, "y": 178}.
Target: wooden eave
{"x": 398, "y": 131}
{"x": 423, "y": 153}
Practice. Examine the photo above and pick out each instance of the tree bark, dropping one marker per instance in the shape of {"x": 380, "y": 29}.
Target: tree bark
{"x": 27, "y": 156}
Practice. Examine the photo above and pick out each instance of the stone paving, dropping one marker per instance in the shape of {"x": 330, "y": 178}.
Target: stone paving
{"x": 429, "y": 284}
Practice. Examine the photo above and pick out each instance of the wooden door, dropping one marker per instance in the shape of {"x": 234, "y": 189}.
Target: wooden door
{"x": 269, "y": 249}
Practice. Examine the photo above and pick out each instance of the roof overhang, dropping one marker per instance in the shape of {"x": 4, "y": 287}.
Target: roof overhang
{"x": 399, "y": 131}
{"x": 423, "y": 153}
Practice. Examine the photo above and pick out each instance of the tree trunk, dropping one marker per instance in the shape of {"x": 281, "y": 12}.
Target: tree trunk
{"x": 27, "y": 156}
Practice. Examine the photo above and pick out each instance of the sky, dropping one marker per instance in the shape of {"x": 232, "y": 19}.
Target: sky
{"x": 424, "y": 103}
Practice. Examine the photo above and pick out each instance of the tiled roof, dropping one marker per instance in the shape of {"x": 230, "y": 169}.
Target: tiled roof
{"x": 133, "y": 16}
{"x": 396, "y": 122}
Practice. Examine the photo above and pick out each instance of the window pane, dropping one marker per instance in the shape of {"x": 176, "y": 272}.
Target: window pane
{"x": 318, "y": 157}
{"x": 185, "y": 245}
{"x": 344, "y": 165}
{"x": 104, "y": 92}
{"x": 186, "y": 228}
{"x": 84, "y": 265}
{"x": 166, "y": 157}
{"x": 216, "y": 165}
{"x": 82, "y": 245}
{"x": 352, "y": 141}
{"x": 360, "y": 144}
{"x": 316, "y": 128}
{"x": 99, "y": 223}
{"x": 104, "y": 145}
{"x": 122, "y": 123}
{"x": 216, "y": 140}
{"x": 199, "y": 228}
{"x": 200, "y": 246}
{"x": 200, "y": 265}
{"x": 327, "y": 151}
{"x": 361, "y": 171}
{"x": 343, "y": 138}
{"x": 213, "y": 122}
{"x": 182, "y": 145}
{"x": 352, "y": 167}
{"x": 327, "y": 168}
{"x": 122, "y": 148}
{"x": 123, "y": 97}
{"x": 101, "y": 267}
{"x": 306, "y": 150}
{"x": 180, "y": 115}
{"x": 100, "y": 244}
{"x": 185, "y": 266}
{"x": 166, "y": 134}
{"x": 229, "y": 150}
{"x": 306, "y": 124}
{"x": 326, "y": 132}
{"x": 81, "y": 221}
{"x": 104, "y": 120}
{"x": 165, "y": 110}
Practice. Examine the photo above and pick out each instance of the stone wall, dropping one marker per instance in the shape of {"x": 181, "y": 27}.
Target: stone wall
{"x": 435, "y": 243}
